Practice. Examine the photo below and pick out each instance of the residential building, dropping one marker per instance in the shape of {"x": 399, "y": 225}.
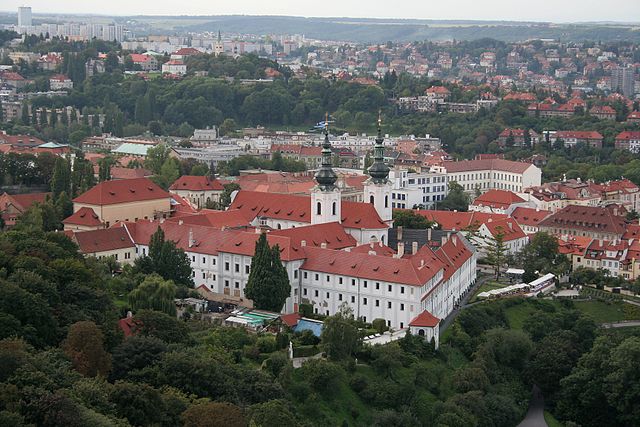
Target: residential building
{"x": 422, "y": 190}
{"x": 125, "y": 200}
{"x": 24, "y": 17}
{"x": 144, "y": 61}
{"x": 518, "y": 138}
{"x": 571, "y": 138}
{"x": 487, "y": 174}
{"x": 622, "y": 79}
{"x": 84, "y": 219}
{"x": 529, "y": 218}
{"x": 174, "y": 66}
{"x": 607, "y": 223}
{"x": 112, "y": 242}
{"x": 200, "y": 191}
{"x": 498, "y": 201}
{"x": 628, "y": 140}
{"x": 603, "y": 112}
{"x": 14, "y": 205}
{"x": 60, "y": 82}
{"x": 513, "y": 237}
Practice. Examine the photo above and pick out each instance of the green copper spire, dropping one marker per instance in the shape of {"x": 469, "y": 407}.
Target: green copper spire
{"x": 326, "y": 177}
{"x": 379, "y": 171}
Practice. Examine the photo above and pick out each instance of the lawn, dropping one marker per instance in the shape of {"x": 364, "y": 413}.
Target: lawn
{"x": 490, "y": 285}
{"x": 516, "y": 315}
{"x": 551, "y": 420}
{"x": 602, "y": 312}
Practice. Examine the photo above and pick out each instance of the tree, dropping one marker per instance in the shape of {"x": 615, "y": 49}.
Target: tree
{"x": 228, "y": 127}
{"x": 24, "y": 117}
{"x": 456, "y": 199}
{"x": 61, "y": 180}
{"x": 156, "y": 157}
{"x": 134, "y": 353}
{"x": 84, "y": 346}
{"x": 213, "y": 414}
{"x": 104, "y": 168}
{"x": 496, "y": 251}
{"x": 272, "y": 413}
{"x": 141, "y": 404}
{"x": 154, "y": 293}
{"x": 268, "y": 284}
{"x": 411, "y": 220}
{"x": 167, "y": 260}
{"x": 162, "y": 326}
{"x": 340, "y": 335}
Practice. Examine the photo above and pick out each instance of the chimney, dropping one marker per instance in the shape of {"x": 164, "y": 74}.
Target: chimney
{"x": 428, "y": 234}
{"x": 399, "y": 233}
{"x": 601, "y": 242}
{"x": 454, "y": 239}
{"x": 400, "y": 250}
{"x": 510, "y": 224}
{"x": 323, "y": 245}
{"x": 371, "y": 245}
{"x": 372, "y": 253}
{"x": 129, "y": 314}
{"x": 303, "y": 243}
{"x": 421, "y": 263}
{"x": 347, "y": 249}
{"x": 414, "y": 248}
{"x": 615, "y": 211}
{"x": 180, "y": 222}
{"x": 192, "y": 241}
{"x": 444, "y": 239}
{"x": 162, "y": 220}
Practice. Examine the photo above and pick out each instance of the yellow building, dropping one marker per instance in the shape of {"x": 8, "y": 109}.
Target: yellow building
{"x": 125, "y": 200}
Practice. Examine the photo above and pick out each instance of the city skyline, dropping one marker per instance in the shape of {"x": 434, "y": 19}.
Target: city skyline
{"x": 496, "y": 10}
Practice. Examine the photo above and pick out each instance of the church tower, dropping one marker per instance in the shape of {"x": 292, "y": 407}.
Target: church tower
{"x": 326, "y": 202}
{"x": 377, "y": 189}
{"x": 218, "y": 47}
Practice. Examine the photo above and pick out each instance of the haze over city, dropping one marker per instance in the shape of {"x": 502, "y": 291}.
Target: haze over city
{"x": 494, "y": 10}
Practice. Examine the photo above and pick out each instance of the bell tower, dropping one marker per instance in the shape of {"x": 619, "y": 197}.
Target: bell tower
{"x": 377, "y": 189}
{"x": 326, "y": 202}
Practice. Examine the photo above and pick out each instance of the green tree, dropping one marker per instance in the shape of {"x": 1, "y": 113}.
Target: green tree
{"x": 213, "y": 414}
{"x": 167, "y": 260}
{"x": 268, "y": 284}
{"x": 154, "y": 293}
{"x": 340, "y": 335}
{"x": 456, "y": 199}
{"x": 496, "y": 251}
{"x": 272, "y": 413}
{"x": 135, "y": 353}
{"x": 228, "y": 127}
{"x": 411, "y": 220}
{"x": 61, "y": 180}
{"x": 156, "y": 157}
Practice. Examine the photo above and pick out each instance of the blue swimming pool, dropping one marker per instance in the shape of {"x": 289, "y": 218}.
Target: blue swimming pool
{"x": 313, "y": 326}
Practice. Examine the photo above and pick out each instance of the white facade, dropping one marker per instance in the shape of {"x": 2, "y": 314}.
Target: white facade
{"x": 489, "y": 179}
{"x": 326, "y": 206}
{"x": 424, "y": 189}
{"x": 379, "y": 195}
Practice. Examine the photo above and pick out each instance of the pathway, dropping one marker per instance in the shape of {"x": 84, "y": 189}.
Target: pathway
{"x": 622, "y": 324}
{"x": 535, "y": 414}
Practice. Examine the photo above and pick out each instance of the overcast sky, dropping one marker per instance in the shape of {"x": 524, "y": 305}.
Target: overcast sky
{"x": 520, "y": 10}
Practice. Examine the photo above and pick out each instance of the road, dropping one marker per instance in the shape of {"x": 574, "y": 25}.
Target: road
{"x": 535, "y": 414}
{"x": 623, "y": 324}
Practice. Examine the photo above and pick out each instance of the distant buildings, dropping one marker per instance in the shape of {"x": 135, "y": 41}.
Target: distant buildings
{"x": 486, "y": 174}
{"x": 24, "y": 17}
{"x": 622, "y": 79}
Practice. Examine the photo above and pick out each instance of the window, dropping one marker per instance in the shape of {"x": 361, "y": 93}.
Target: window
{"x": 304, "y": 291}
{"x": 316, "y": 293}
{"x": 377, "y": 303}
{"x": 247, "y": 269}
{"x": 317, "y": 277}
{"x": 353, "y": 282}
{"x": 193, "y": 258}
{"x": 340, "y": 280}
{"x": 237, "y": 285}
{"x": 353, "y": 298}
{"x": 213, "y": 261}
{"x": 226, "y": 283}
{"x": 389, "y": 288}
{"x": 386, "y": 201}
{"x": 339, "y": 297}
{"x": 226, "y": 266}
{"x": 377, "y": 286}
{"x": 388, "y": 304}
{"x": 333, "y": 208}
{"x": 237, "y": 267}
{"x": 319, "y": 208}
{"x": 203, "y": 275}
{"x": 193, "y": 273}
{"x": 401, "y": 307}
{"x": 365, "y": 283}
{"x": 364, "y": 301}
{"x": 402, "y": 289}
{"x": 295, "y": 274}
{"x": 328, "y": 295}
{"x": 328, "y": 278}
{"x": 305, "y": 275}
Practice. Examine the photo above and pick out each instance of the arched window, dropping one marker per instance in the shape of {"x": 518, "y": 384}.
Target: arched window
{"x": 333, "y": 208}
{"x": 386, "y": 201}
{"x": 279, "y": 227}
{"x": 421, "y": 332}
{"x": 371, "y": 199}
{"x": 319, "y": 209}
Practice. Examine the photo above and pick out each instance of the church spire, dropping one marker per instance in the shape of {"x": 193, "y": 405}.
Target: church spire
{"x": 326, "y": 177}
{"x": 379, "y": 171}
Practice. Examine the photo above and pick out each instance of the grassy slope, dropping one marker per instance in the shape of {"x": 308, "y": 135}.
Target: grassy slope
{"x": 551, "y": 420}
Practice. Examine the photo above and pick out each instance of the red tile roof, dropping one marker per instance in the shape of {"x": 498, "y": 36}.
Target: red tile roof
{"x": 487, "y": 164}
{"x": 231, "y": 218}
{"x": 108, "y": 239}
{"x": 449, "y": 220}
{"x": 425, "y": 320}
{"x": 578, "y": 134}
{"x": 497, "y": 199}
{"x": 590, "y": 218}
{"x": 414, "y": 271}
{"x": 22, "y": 202}
{"x": 196, "y": 183}
{"x": 628, "y": 135}
{"x": 529, "y": 216}
{"x": 298, "y": 208}
{"x": 122, "y": 191}
{"x": 379, "y": 248}
{"x": 20, "y": 139}
{"x": 507, "y": 227}
{"x": 291, "y": 319}
{"x": 84, "y": 216}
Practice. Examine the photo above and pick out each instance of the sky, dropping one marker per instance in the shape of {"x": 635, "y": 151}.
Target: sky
{"x": 518, "y": 10}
